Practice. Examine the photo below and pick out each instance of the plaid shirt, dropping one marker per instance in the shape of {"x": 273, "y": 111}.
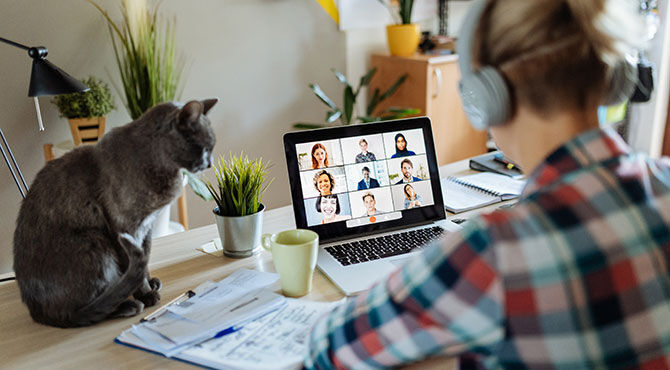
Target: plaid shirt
{"x": 574, "y": 276}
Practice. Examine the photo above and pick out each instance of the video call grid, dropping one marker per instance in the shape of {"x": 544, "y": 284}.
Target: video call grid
{"x": 385, "y": 161}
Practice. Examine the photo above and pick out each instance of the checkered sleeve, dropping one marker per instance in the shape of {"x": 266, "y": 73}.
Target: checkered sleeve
{"x": 447, "y": 300}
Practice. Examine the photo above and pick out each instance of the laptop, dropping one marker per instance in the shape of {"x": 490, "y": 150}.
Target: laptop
{"x": 371, "y": 192}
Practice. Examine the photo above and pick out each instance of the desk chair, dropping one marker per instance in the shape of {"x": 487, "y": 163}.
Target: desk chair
{"x": 51, "y": 153}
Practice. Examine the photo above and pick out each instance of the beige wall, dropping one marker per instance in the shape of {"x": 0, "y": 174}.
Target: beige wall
{"x": 257, "y": 56}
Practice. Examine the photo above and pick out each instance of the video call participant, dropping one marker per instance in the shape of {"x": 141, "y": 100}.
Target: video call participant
{"x": 324, "y": 182}
{"x": 370, "y": 205}
{"x": 401, "y": 147}
{"x": 367, "y": 182}
{"x": 412, "y": 199}
{"x": 575, "y": 275}
{"x": 406, "y": 167}
{"x": 364, "y": 155}
{"x": 319, "y": 156}
{"x": 329, "y": 207}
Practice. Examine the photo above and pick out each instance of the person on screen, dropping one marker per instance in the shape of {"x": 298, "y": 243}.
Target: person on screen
{"x": 364, "y": 155}
{"x": 329, "y": 207}
{"x": 575, "y": 275}
{"x": 412, "y": 199}
{"x": 367, "y": 182}
{"x": 319, "y": 156}
{"x": 406, "y": 167}
{"x": 370, "y": 205}
{"x": 401, "y": 147}
{"x": 324, "y": 182}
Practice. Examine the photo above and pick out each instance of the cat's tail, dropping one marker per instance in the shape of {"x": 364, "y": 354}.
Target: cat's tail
{"x": 107, "y": 302}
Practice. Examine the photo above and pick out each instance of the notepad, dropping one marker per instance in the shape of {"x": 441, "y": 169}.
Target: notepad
{"x": 469, "y": 192}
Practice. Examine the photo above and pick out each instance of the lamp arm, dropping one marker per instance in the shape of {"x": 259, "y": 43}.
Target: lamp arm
{"x": 14, "y": 44}
{"x": 23, "y": 190}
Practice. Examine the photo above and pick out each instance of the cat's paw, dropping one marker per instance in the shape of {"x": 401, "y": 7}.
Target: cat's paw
{"x": 155, "y": 284}
{"x": 149, "y": 299}
{"x": 127, "y": 308}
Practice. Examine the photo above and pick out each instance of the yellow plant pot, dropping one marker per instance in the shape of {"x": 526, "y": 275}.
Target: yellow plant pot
{"x": 403, "y": 39}
{"x": 87, "y": 130}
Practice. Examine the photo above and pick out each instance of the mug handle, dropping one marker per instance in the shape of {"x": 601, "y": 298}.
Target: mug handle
{"x": 265, "y": 241}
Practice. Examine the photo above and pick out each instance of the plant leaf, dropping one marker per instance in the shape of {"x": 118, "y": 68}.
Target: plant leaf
{"x": 349, "y": 100}
{"x": 340, "y": 76}
{"x": 391, "y": 90}
{"x": 305, "y": 125}
{"x": 373, "y": 103}
{"x": 199, "y": 187}
{"x": 332, "y": 116}
{"x": 322, "y": 96}
{"x": 365, "y": 80}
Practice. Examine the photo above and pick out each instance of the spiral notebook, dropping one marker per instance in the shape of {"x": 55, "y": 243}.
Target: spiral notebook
{"x": 481, "y": 189}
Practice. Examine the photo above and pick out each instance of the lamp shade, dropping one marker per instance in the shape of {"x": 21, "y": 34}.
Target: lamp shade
{"x": 47, "y": 79}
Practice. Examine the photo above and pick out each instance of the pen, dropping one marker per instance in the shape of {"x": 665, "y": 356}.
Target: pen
{"x": 181, "y": 298}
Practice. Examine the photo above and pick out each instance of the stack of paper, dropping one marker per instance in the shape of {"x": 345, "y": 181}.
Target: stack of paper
{"x": 216, "y": 309}
{"x": 235, "y": 323}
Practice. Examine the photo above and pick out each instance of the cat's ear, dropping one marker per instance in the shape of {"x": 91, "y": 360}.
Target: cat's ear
{"x": 189, "y": 116}
{"x": 208, "y": 104}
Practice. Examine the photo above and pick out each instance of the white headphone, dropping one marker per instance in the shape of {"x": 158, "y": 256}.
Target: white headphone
{"x": 484, "y": 93}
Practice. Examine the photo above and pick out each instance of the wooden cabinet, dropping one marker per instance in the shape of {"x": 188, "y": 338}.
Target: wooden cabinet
{"x": 432, "y": 87}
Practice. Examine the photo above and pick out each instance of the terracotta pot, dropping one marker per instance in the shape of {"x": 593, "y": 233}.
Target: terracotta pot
{"x": 87, "y": 130}
{"x": 403, "y": 39}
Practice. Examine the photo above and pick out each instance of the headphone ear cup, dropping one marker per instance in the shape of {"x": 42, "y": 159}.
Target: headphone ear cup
{"x": 622, "y": 83}
{"x": 485, "y": 98}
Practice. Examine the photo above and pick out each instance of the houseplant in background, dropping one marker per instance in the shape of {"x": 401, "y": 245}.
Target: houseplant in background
{"x": 345, "y": 116}
{"x": 403, "y": 37}
{"x": 150, "y": 68}
{"x": 146, "y": 55}
{"x": 86, "y": 111}
{"x": 238, "y": 193}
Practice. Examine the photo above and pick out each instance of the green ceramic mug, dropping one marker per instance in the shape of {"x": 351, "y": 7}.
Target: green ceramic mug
{"x": 294, "y": 254}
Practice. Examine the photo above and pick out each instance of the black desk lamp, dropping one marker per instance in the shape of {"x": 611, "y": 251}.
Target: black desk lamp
{"x": 45, "y": 79}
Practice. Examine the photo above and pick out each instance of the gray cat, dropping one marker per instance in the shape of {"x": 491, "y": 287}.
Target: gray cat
{"x": 83, "y": 233}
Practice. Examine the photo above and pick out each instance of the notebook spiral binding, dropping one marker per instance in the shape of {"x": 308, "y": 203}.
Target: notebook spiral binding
{"x": 474, "y": 187}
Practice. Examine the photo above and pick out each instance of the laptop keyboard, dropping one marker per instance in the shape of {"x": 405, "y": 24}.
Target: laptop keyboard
{"x": 383, "y": 246}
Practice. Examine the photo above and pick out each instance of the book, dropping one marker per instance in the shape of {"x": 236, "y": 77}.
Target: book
{"x": 465, "y": 193}
{"x": 497, "y": 163}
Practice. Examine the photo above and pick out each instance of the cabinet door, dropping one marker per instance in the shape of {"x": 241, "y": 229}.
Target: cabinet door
{"x": 411, "y": 94}
{"x": 455, "y": 139}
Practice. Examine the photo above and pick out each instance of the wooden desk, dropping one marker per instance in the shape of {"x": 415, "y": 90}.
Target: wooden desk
{"x": 174, "y": 259}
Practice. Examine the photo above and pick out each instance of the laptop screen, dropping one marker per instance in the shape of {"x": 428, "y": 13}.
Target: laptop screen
{"x": 365, "y": 178}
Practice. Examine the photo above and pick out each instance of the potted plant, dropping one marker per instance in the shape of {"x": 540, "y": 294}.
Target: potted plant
{"x": 402, "y": 37}
{"x": 86, "y": 111}
{"x": 346, "y": 116}
{"x": 238, "y": 193}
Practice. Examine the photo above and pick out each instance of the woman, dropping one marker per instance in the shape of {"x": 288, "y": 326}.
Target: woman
{"x": 324, "y": 182}
{"x": 319, "y": 156}
{"x": 401, "y": 147}
{"x": 412, "y": 199}
{"x": 575, "y": 275}
{"x": 329, "y": 207}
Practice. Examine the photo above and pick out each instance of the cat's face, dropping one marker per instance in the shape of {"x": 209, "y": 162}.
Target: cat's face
{"x": 195, "y": 150}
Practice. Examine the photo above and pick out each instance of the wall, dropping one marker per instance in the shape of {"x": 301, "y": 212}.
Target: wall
{"x": 257, "y": 56}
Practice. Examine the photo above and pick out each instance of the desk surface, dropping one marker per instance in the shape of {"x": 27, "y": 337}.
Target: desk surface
{"x": 175, "y": 260}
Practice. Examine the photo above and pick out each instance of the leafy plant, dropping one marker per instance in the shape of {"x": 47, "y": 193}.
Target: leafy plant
{"x": 345, "y": 115}
{"x": 145, "y": 51}
{"x": 240, "y": 185}
{"x": 401, "y": 10}
{"x": 96, "y": 102}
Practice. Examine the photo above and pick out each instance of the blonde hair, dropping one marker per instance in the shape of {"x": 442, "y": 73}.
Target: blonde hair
{"x": 557, "y": 54}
